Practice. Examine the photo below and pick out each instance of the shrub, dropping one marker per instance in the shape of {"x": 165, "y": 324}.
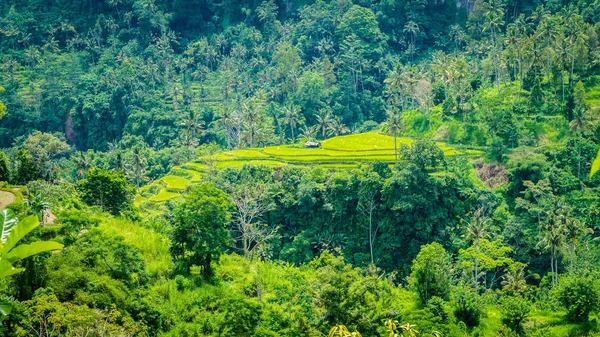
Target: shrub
{"x": 515, "y": 310}
{"x": 438, "y": 307}
{"x": 467, "y": 307}
{"x": 580, "y": 296}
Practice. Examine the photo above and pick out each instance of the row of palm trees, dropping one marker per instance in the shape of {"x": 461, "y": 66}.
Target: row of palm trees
{"x": 243, "y": 125}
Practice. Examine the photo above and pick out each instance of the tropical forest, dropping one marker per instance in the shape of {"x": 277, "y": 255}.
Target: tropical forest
{"x": 299, "y": 168}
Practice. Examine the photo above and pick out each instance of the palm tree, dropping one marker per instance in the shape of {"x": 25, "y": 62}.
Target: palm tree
{"x": 513, "y": 280}
{"x": 553, "y": 236}
{"x": 137, "y": 164}
{"x": 192, "y": 129}
{"x": 574, "y": 231}
{"x": 547, "y": 30}
{"x": 39, "y": 207}
{"x": 457, "y": 35}
{"x": 228, "y": 121}
{"x": 337, "y": 127}
{"x": 494, "y": 18}
{"x": 393, "y": 125}
{"x": 578, "y": 124}
{"x": 575, "y": 35}
{"x": 116, "y": 160}
{"x": 309, "y": 132}
{"x": 478, "y": 228}
{"x": 324, "y": 120}
{"x": 552, "y": 239}
{"x": 412, "y": 29}
{"x": 291, "y": 117}
{"x": 252, "y": 113}
{"x": 439, "y": 65}
{"x": 83, "y": 162}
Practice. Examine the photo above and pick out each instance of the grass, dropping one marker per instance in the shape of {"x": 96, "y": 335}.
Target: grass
{"x": 175, "y": 182}
{"x": 139, "y": 199}
{"x": 154, "y": 246}
{"x": 194, "y": 166}
{"x": 364, "y": 142}
{"x": 164, "y": 195}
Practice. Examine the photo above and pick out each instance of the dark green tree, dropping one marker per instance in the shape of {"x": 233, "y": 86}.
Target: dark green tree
{"x": 108, "y": 189}
{"x": 4, "y": 167}
{"x": 26, "y": 170}
{"x": 200, "y": 232}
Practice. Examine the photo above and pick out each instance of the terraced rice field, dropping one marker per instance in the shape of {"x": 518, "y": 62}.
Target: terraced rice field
{"x": 348, "y": 151}
{"x": 344, "y": 152}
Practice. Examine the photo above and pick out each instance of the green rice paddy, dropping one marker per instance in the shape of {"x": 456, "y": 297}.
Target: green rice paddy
{"x": 344, "y": 152}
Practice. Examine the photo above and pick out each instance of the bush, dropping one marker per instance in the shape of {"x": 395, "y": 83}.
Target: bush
{"x": 467, "y": 307}
{"x": 515, "y": 310}
{"x": 580, "y": 296}
{"x": 438, "y": 307}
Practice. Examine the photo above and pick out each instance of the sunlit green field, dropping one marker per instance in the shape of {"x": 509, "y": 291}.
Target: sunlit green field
{"x": 349, "y": 149}
{"x": 344, "y": 152}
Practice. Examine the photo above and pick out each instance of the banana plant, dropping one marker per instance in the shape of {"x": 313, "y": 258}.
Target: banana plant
{"x": 12, "y": 232}
{"x": 342, "y": 331}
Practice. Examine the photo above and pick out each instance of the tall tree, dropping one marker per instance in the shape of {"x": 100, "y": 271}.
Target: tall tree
{"x": 494, "y": 20}
{"x": 137, "y": 163}
{"x": 252, "y": 202}
{"x": 337, "y": 127}
{"x": 477, "y": 228}
{"x": 393, "y": 125}
{"x": 292, "y": 117}
{"x": 369, "y": 203}
{"x": 193, "y": 128}
{"x": 324, "y": 120}
{"x": 552, "y": 235}
{"x": 412, "y": 29}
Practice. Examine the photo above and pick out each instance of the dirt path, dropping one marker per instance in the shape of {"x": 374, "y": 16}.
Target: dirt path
{"x": 6, "y": 198}
{"x": 50, "y": 218}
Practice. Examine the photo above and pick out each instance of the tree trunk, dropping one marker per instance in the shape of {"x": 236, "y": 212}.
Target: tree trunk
{"x": 395, "y": 147}
{"x": 476, "y": 265}
{"x": 371, "y": 231}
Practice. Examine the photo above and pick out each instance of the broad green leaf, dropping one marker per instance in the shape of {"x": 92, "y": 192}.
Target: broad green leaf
{"x": 23, "y": 251}
{"x": 6, "y": 269}
{"x": 18, "y": 232}
{"x": 5, "y": 308}
{"x": 595, "y": 165}
{"x": 8, "y": 221}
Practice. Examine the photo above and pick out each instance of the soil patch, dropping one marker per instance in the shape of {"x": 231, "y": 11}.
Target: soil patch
{"x": 6, "y": 198}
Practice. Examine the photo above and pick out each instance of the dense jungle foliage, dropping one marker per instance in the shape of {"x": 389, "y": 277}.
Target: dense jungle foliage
{"x": 120, "y": 216}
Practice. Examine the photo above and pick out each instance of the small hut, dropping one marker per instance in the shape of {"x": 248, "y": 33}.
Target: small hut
{"x": 312, "y": 144}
